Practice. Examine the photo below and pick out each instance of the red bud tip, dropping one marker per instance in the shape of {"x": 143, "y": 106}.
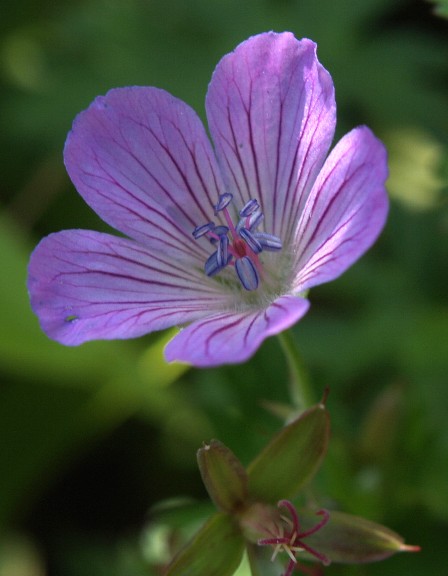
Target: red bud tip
{"x": 409, "y": 548}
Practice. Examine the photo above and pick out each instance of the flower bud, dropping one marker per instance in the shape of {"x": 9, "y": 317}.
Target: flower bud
{"x": 292, "y": 457}
{"x": 223, "y": 475}
{"x": 353, "y": 540}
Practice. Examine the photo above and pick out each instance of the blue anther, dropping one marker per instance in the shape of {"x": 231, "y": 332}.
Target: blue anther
{"x": 249, "y": 208}
{"x": 223, "y": 251}
{"x": 247, "y": 273}
{"x": 268, "y": 241}
{"x": 250, "y": 240}
{"x": 202, "y": 230}
{"x": 255, "y": 220}
{"x": 221, "y": 230}
{"x": 211, "y": 266}
{"x": 224, "y": 201}
{"x": 241, "y": 224}
{"x": 218, "y": 231}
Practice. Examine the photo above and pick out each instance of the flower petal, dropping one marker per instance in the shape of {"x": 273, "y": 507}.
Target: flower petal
{"x": 142, "y": 160}
{"x": 345, "y": 211}
{"x": 271, "y": 111}
{"x": 232, "y": 337}
{"x": 87, "y": 285}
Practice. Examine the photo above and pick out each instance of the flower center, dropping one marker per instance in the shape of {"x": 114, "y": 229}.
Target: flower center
{"x": 239, "y": 245}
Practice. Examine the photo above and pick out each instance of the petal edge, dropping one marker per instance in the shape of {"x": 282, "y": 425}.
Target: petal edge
{"x": 233, "y": 337}
{"x": 345, "y": 211}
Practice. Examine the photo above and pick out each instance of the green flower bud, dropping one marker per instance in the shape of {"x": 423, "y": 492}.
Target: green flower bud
{"x": 353, "y": 540}
{"x": 223, "y": 475}
{"x": 292, "y": 457}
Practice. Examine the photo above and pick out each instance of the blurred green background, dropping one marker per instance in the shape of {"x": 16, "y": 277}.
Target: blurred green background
{"x": 91, "y": 439}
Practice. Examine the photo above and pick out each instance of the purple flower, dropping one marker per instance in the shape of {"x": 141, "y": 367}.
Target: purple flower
{"x": 225, "y": 240}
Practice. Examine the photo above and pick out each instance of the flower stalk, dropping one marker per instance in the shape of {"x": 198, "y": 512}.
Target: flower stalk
{"x": 299, "y": 383}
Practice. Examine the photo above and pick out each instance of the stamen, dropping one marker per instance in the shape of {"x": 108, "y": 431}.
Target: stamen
{"x": 202, "y": 230}
{"x": 223, "y": 251}
{"x": 249, "y": 208}
{"x": 246, "y": 273}
{"x": 221, "y": 230}
{"x": 250, "y": 222}
{"x": 223, "y": 202}
{"x": 238, "y": 245}
{"x": 212, "y": 266}
{"x": 268, "y": 241}
{"x": 254, "y": 220}
{"x": 290, "y": 554}
{"x": 217, "y": 232}
{"x": 250, "y": 239}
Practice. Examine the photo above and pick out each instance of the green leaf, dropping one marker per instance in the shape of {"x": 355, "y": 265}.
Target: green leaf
{"x": 223, "y": 475}
{"x": 216, "y": 550}
{"x": 352, "y": 540}
{"x": 292, "y": 457}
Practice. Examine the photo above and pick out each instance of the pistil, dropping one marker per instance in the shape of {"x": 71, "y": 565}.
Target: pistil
{"x": 291, "y": 539}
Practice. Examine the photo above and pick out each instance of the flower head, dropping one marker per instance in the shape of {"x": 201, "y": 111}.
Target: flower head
{"x": 224, "y": 240}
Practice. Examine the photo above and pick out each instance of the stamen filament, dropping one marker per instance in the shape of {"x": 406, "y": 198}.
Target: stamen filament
{"x": 230, "y": 224}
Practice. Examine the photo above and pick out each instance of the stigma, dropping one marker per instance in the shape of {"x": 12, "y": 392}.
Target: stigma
{"x": 237, "y": 245}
